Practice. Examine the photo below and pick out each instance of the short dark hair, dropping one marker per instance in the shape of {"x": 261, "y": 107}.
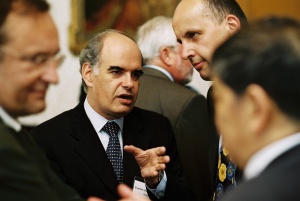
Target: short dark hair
{"x": 266, "y": 53}
{"x": 219, "y": 9}
{"x": 7, "y": 6}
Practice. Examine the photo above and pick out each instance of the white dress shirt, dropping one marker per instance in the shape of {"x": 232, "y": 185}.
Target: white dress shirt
{"x": 98, "y": 122}
{"x": 261, "y": 159}
{"x": 9, "y": 121}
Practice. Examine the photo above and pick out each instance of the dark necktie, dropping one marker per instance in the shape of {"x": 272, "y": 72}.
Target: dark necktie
{"x": 114, "y": 149}
{"x": 225, "y": 179}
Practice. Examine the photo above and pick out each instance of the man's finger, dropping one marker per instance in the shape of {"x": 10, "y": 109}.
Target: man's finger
{"x": 133, "y": 150}
{"x": 164, "y": 159}
{"x": 160, "y": 151}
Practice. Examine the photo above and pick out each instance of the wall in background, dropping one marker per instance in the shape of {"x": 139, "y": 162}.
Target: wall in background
{"x": 255, "y": 9}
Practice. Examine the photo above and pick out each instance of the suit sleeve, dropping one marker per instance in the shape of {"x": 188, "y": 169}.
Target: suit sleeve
{"x": 194, "y": 146}
{"x": 25, "y": 173}
{"x": 176, "y": 188}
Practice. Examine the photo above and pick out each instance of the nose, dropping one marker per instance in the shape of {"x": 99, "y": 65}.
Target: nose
{"x": 187, "y": 51}
{"x": 127, "y": 81}
{"x": 51, "y": 75}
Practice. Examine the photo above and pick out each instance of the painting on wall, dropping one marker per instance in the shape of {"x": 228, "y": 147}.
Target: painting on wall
{"x": 92, "y": 16}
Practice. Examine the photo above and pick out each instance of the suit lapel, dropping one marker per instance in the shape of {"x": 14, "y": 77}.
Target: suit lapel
{"x": 91, "y": 150}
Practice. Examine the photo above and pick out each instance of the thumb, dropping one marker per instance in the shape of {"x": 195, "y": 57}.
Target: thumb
{"x": 94, "y": 199}
{"x": 124, "y": 191}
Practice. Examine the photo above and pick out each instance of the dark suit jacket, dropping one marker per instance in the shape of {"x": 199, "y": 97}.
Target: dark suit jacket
{"x": 214, "y": 136}
{"x": 280, "y": 181}
{"x": 188, "y": 114}
{"x": 25, "y": 173}
{"x": 78, "y": 157}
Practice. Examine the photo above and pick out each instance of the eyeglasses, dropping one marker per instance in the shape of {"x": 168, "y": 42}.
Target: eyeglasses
{"x": 38, "y": 59}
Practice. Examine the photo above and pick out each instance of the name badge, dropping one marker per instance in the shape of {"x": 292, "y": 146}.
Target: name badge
{"x": 139, "y": 187}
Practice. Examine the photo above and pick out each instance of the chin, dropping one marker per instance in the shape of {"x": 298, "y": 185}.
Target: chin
{"x": 204, "y": 76}
{"x": 37, "y": 107}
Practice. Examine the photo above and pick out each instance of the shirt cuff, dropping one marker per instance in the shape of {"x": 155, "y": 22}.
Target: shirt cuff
{"x": 160, "y": 189}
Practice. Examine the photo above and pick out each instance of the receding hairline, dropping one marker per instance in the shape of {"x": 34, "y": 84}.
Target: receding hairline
{"x": 112, "y": 34}
{"x": 186, "y": 7}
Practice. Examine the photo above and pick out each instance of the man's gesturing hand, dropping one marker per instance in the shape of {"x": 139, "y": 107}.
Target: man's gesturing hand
{"x": 151, "y": 162}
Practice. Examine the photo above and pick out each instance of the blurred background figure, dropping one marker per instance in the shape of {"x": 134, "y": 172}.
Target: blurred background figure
{"x": 29, "y": 58}
{"x": 162, "y": 90}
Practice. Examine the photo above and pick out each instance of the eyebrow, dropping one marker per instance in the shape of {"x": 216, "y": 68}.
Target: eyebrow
{"x": 140, "y": 72}
{"x": 122, "y": 69}
{"x": 115, "y": 68}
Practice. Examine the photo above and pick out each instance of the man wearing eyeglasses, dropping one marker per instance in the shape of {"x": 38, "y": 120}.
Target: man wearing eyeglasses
{"x": 29, "y": 57}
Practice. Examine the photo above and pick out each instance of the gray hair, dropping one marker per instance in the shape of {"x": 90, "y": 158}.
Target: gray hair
{"x": 153, "y": 35}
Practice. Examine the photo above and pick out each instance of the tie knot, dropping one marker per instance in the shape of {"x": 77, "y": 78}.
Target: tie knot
{"x": 111, "y": 128}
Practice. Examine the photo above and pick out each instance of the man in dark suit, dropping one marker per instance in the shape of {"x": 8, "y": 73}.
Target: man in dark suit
{"x": 29, "y": 57}
{"x": 77, "y": 145}
{"x": 256, "y": 93}
{"x": 162, "y": 90}
{"x": 201, "y": 26}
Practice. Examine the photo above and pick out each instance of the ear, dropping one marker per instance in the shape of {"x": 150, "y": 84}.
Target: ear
{"x": 260, "y": 108}
{"x": 87, "y": 72}
{"x": 233, "y": 23}
{"x": 165, "y": 55}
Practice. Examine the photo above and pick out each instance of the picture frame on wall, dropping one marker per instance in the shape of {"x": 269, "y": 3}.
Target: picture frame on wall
{"x": 92, "y": 16}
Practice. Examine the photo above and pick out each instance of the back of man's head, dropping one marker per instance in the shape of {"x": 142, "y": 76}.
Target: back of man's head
{"x": 158, "y": 44}
{"x": 153, "y": 35}
{"x": 267, "y": 53}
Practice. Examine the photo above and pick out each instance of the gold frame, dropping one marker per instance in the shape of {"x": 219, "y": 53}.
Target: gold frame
{"x": 78, "y": 36}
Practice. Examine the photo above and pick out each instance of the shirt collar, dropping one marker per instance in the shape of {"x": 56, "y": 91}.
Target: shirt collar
{"x": 97, "y": 120}
{"x": 161, "y": 70}
{"x": 9, "y": 121}
{"x": 261, "y": 159}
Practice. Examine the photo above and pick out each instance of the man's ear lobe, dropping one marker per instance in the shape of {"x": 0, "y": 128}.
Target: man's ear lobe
{"x": 233, "y": 23}
{"x": 87, "y": 72}
{"x": 260, "y": 108}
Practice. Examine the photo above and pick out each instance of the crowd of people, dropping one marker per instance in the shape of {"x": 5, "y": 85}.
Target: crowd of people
{"x": 139, "y": 133}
